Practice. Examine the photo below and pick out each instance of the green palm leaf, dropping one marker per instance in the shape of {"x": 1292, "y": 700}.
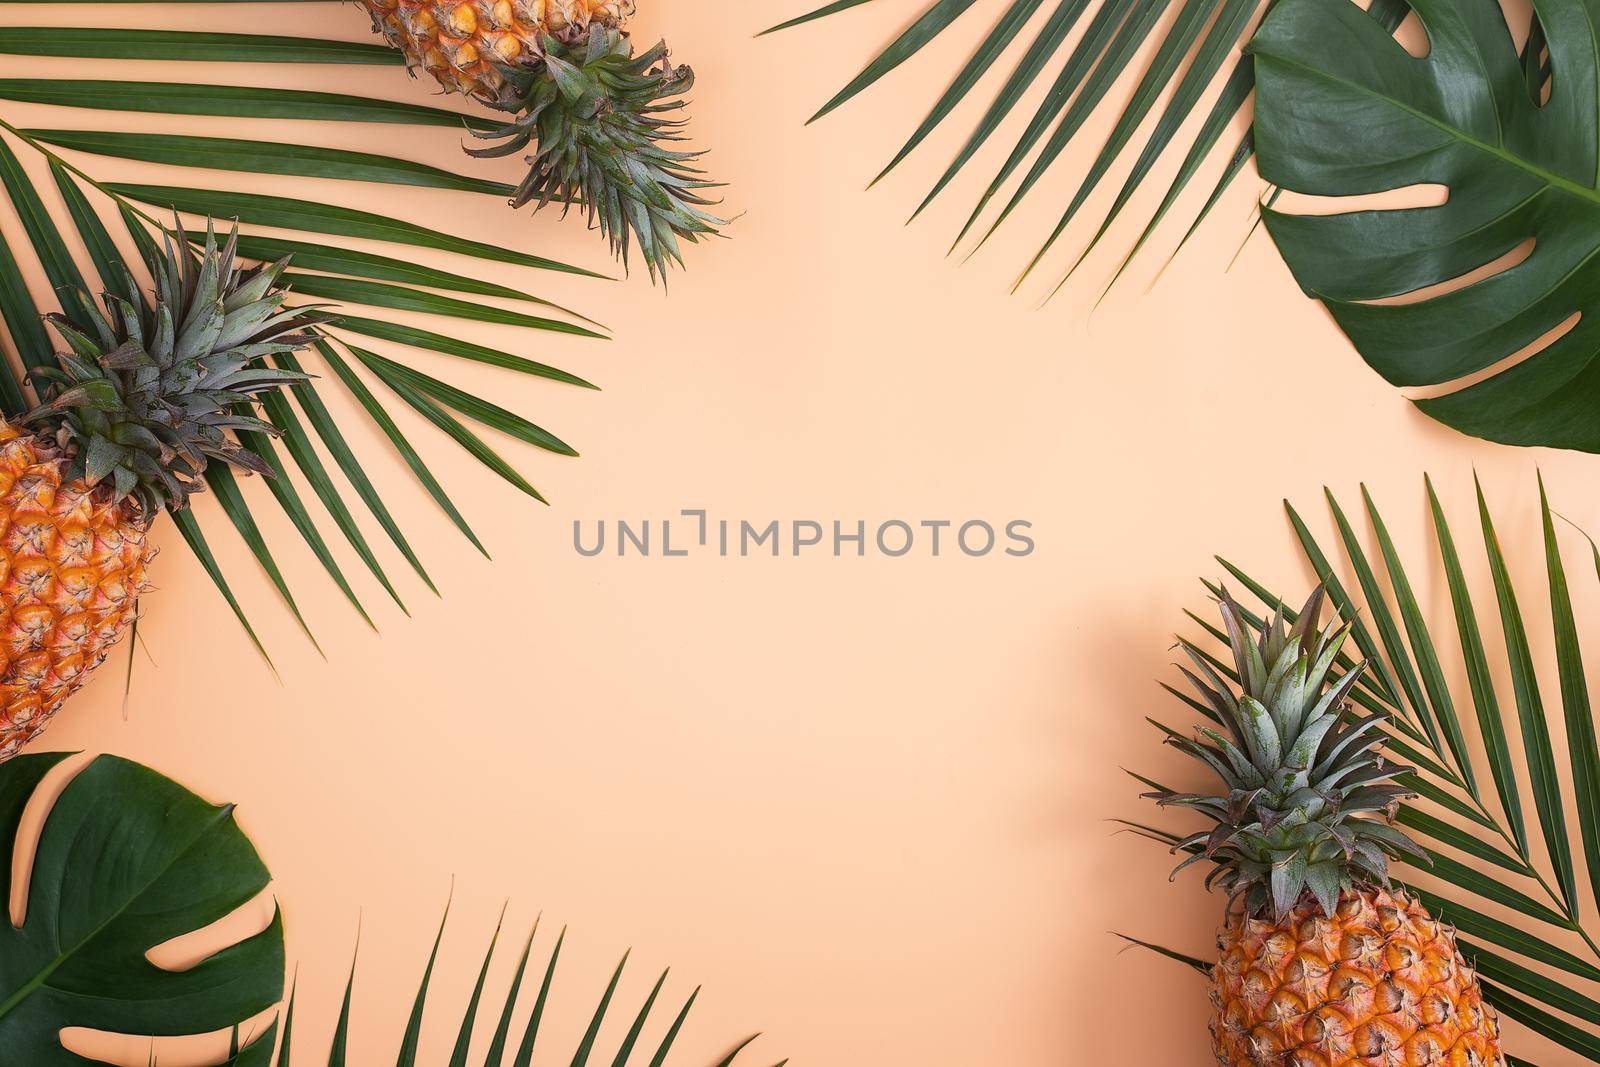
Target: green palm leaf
{"x": 508, "y": 1039}
{"x": 1520, "y": 912}
{"x": 78, "y": 42}
{"x": 1344, "y": 110}
{"x": 1196, "y": 41}
{"x": 84, "y": 164}
{"x": 236, "y": 101}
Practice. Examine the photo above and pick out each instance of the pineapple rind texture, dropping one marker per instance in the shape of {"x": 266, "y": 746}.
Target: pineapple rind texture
{"x": 72, "y": 568}
{"x": 462, "y": 43}
{"x": 1380, "y": 984}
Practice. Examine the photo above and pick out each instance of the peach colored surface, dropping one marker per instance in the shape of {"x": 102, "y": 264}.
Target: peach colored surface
{"x": 864, "y": 802}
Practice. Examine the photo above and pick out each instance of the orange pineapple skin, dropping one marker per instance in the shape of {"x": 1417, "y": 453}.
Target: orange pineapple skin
{"x": 460, "y": 42}
{"x": 1381, "y": 984}
{"x": 72, "y": 568}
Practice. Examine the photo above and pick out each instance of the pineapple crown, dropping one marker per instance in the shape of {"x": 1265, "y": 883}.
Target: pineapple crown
{"x": 600, "y": 120}
{"x": 150, "y": 394}
{"x": 1308, "y": 800}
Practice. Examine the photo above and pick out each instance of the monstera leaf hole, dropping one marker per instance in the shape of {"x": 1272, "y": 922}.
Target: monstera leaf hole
{"x": 1413, "y": 37}
{"x": 137, "y": 908}
{"x": 1404, "y": 198}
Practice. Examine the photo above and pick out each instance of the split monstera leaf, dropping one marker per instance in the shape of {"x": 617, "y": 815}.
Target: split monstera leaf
{"x": 1514, "y": 139}
{"x": 127, "y": 861}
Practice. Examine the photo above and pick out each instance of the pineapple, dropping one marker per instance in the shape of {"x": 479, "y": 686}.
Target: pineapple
{"x": 1323, "y": 963}
{"x": 597, "y": 118}
{"x": 143, "y": 401}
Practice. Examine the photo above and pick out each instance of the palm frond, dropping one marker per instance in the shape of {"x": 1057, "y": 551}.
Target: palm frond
{"x": 1194, "y": 41}
{"x": 520, "y": 1013}
{"x": 92, "y": 204}
{"x": 1522, "y": 907}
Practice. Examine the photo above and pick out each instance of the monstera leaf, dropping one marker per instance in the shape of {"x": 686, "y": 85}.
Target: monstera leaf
{"x": 1343, "y": 109}
{"x": 127, "y": 860}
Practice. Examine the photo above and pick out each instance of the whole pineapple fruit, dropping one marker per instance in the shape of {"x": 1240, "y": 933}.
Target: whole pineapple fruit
{"x": 1322, "y": 962}
{"x": 133, "y": 413}
{"x": 599, "y": 119}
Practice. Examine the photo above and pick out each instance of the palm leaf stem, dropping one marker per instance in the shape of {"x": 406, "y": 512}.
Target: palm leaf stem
{"x": 78, "y": 172}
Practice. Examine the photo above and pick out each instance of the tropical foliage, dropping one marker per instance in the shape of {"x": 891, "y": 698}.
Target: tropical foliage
{"x": 1432, "y": 295}
{"x": 84, "y": 207}
{"x": 510, "y": 1043}
{"x": 126, "y": 861}
{"x": 1192, "y": 49}
{"x": 1507, "y": 864}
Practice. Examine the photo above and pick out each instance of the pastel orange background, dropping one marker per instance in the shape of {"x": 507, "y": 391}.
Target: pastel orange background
{"x": 864, "y": 802}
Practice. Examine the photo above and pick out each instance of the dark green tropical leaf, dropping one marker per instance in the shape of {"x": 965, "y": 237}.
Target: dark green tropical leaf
{"x": 1344, "y": 110}
{"x": 127, "y": 861}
